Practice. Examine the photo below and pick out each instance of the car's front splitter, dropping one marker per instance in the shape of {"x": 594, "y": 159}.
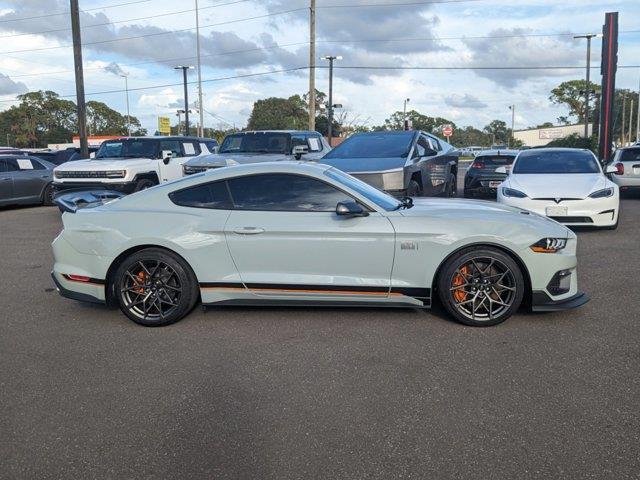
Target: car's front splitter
{"x": 542, "y": 302}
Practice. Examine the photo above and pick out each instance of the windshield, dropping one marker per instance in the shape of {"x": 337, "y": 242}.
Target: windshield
{"x": 268, "y": 142}
{"x": 128, "y": 149}
{"x": 629, "y": 155}
{"x": 378, "y": 197}
{"x": 495, "y": 160}
{"x": 560, "y": 161}
{"x": 374, "y": 145}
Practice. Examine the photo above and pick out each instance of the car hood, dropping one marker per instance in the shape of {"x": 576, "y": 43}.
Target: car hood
{"x": 565, "y": 185}
{"x": 460, "y": 210}
{"x": 355, "y": 165}
{"x": 237, "y": 158}
{"x": 103, "y": 164}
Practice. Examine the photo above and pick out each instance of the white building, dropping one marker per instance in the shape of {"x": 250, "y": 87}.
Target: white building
{"x": 538, "y": 137}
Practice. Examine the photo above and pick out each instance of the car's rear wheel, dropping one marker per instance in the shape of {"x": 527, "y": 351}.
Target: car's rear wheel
{"x": 452, "y": 187}
{"x": 481, "y": 286}
{"x": 155, "y": 287}
{"x": 414, "y": 189}
{"x": 47, "y": 195}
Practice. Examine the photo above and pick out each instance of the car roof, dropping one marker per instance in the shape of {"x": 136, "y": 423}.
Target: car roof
{"x": 496, "y": 153}
{"x": 273, "y": 131}
{"x": 161, "y": 137}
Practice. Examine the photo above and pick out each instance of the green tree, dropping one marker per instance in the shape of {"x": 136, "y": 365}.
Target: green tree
{"x": 103, "y": 120}
{"x": 498, "y": 131}
{"x": 279, "y": 114}
{"x": 576, "y": 141}
{"x": 418, "y": 122}
{"x": 572, "y": 95}
{"x": 470, "y": 136}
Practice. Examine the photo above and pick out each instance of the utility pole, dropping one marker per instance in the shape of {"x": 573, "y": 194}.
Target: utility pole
{"x": 587, "y": 90}
{"x": 77, "y": 61}
{"x": 312, "y": 65}
{"x": 200, "y": 106}
{"x": 126, "y": 89}
{"x": 184, "y": 69}
{"x": 513, "y": 121}
{"x": 331, "y": 58}
{"x": 624, "y": 115}
{"x": 630, "y": 120}
{"x": 638, "y": 117}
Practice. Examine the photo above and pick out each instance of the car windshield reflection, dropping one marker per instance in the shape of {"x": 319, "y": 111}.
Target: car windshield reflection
{"x": 376, "y": 196}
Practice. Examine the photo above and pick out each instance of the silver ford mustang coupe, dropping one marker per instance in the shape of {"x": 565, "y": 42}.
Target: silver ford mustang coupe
{"x": 296, "y": 233}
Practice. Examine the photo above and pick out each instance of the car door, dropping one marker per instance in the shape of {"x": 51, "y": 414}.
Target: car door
{"x": 181, "y": 151}
{"x": 29, "y": 178}
{"x": 286, "y": 239}
{"x": 6, "y": 182}
{"x": 316, "y": 147}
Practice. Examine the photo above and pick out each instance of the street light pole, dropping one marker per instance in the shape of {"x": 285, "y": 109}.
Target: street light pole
{"x": 184, "y": 69}
{"x": 200, "y": 106}
{"x": 126, "y": 89}
{"x": 404, "y": 114}
{"x": 77, "y": 61}
{"x": 312, "y": 65}
{"x": 331, "y": 58}
{"x": 587, "y": 91}
{"x": 513, "y": 121}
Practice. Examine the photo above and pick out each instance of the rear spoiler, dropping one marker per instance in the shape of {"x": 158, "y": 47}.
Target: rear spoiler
{"x": 72, "y": 201}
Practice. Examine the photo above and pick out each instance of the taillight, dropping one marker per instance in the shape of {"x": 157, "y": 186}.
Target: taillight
{"x": 477, "y": 164}
{"x": 619, "y": 168}
{"x": 78, "y": 278}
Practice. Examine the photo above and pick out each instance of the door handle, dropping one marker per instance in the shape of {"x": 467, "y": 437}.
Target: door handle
{"x": 248, "y": 230}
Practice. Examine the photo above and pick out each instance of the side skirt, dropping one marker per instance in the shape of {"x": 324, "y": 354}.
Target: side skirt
{"x": 260, "y": 302}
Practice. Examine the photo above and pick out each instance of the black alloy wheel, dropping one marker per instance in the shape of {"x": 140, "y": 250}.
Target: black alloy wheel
{"x": 481, "y": 286}
{"x": 47, "y": 196}
{"x": 452, "y": 186}
{"x": 155, "y": 288}
{"x": 144, "y": 184}
{"x": 414, "y": 189}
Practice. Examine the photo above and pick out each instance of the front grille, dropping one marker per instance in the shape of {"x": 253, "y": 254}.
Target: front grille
{"x": 88, "y": 174}
{"x": 572, "y": 219}
{"x": 557, "y": 200}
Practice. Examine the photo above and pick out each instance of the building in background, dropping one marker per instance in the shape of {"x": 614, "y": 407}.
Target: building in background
{"x": 539, "y": 137}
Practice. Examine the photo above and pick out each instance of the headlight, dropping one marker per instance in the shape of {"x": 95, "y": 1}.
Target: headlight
{"x": 56, "y": 174}
{"x": 116, "y": 173}
{"x": 549, "y": 245}
{"x": 189, "y": 170}
{"x": 510, "y": 192}
{"x": 605, "y": 192}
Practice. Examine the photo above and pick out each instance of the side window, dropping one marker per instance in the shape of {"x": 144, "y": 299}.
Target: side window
{"x": 173, "y": 145}
{"x": 421, "y": 147}
{"x": 190, "y": 149}
{"x": 286, "y": 193}
{"x": 11, "y": 165}
{"x": 36, "y": 164}
{"x": 435, "y": 144}
{"x": 3, "y": 166}
{"x": 315, "y": 144}
{"x": 299, "y": 140}
{"x": 209, "y": 195}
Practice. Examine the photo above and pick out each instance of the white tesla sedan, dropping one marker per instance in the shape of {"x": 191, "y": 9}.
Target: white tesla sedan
{"x": 308, "y": 234}
{"x": 565, "y": 184}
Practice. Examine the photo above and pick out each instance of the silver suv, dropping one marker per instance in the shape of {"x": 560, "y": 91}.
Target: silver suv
{"x": 261, "y": 146}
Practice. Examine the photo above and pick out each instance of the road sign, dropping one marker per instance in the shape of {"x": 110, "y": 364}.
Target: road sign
{"x": 447, "y": 130}
{"x": 164, "y": 125}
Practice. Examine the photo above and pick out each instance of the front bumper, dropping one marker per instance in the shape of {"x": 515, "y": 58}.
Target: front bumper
{"x": 541, "y": 301}
{"x": 588, "y": 212}
{"x": 124, "y": 187}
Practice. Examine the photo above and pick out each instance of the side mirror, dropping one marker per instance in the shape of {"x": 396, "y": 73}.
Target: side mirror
{"x": 350, "y": 209}
{"x": 299, "y": 150}
{"x": 610, "y": 169}
{"x": 166, "y": 156}
{"x": 501, "y": 170}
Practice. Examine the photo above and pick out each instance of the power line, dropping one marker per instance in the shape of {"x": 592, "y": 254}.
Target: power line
{"x": 66, "y": 12}
{"x": 233, "y": 52}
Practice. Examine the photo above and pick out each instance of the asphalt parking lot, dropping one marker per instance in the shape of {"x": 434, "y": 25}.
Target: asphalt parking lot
{"x": 325, "y": 393}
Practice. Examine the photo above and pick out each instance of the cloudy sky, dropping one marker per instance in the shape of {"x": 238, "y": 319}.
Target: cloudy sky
{"x": 255, "y": 40}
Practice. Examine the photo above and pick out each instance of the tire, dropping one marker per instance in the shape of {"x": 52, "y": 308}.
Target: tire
{"x": 149, "y": 303}
{"x": 47, "y": 196}
{"x": 475, "y": 272}
{"x": 452, "y": 186}
{"x": 143, "y": 184}
{"x": 414, "y": 189}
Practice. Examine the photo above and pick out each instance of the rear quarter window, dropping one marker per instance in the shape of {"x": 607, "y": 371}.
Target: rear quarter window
{"x": 209, "y": 195}
{"x": 630, "y": 155}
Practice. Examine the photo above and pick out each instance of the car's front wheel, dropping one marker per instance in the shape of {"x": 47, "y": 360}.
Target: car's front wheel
{"x": 155, "y": 287}
{"x": 481, "y": 286}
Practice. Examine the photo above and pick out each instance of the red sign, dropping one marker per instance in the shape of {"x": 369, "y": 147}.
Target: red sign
{"x": 447, "y": 130}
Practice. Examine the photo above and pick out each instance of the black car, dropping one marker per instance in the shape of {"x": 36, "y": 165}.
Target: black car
{"x": 25, "y": 180}
{"x": 481, "y": 178}
{"x": 58, "y": 157}
{"x": 411, "y": 163}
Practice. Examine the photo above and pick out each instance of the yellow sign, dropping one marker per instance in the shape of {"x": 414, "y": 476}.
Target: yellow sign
{"x": 164, "y": 125}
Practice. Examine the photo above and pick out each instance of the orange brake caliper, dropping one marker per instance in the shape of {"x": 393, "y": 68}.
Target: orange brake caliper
{"x": 459, "y": 294}
{"x": 140, "y": 278}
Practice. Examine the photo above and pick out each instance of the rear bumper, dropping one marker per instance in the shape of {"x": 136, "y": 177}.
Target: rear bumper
{"x": 124, "y": 187}
{"x": 542, "y": 302}
{"x": 79, "y": 296}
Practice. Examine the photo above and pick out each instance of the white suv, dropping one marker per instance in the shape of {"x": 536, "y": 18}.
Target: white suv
{"x": 131, "y": 164}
